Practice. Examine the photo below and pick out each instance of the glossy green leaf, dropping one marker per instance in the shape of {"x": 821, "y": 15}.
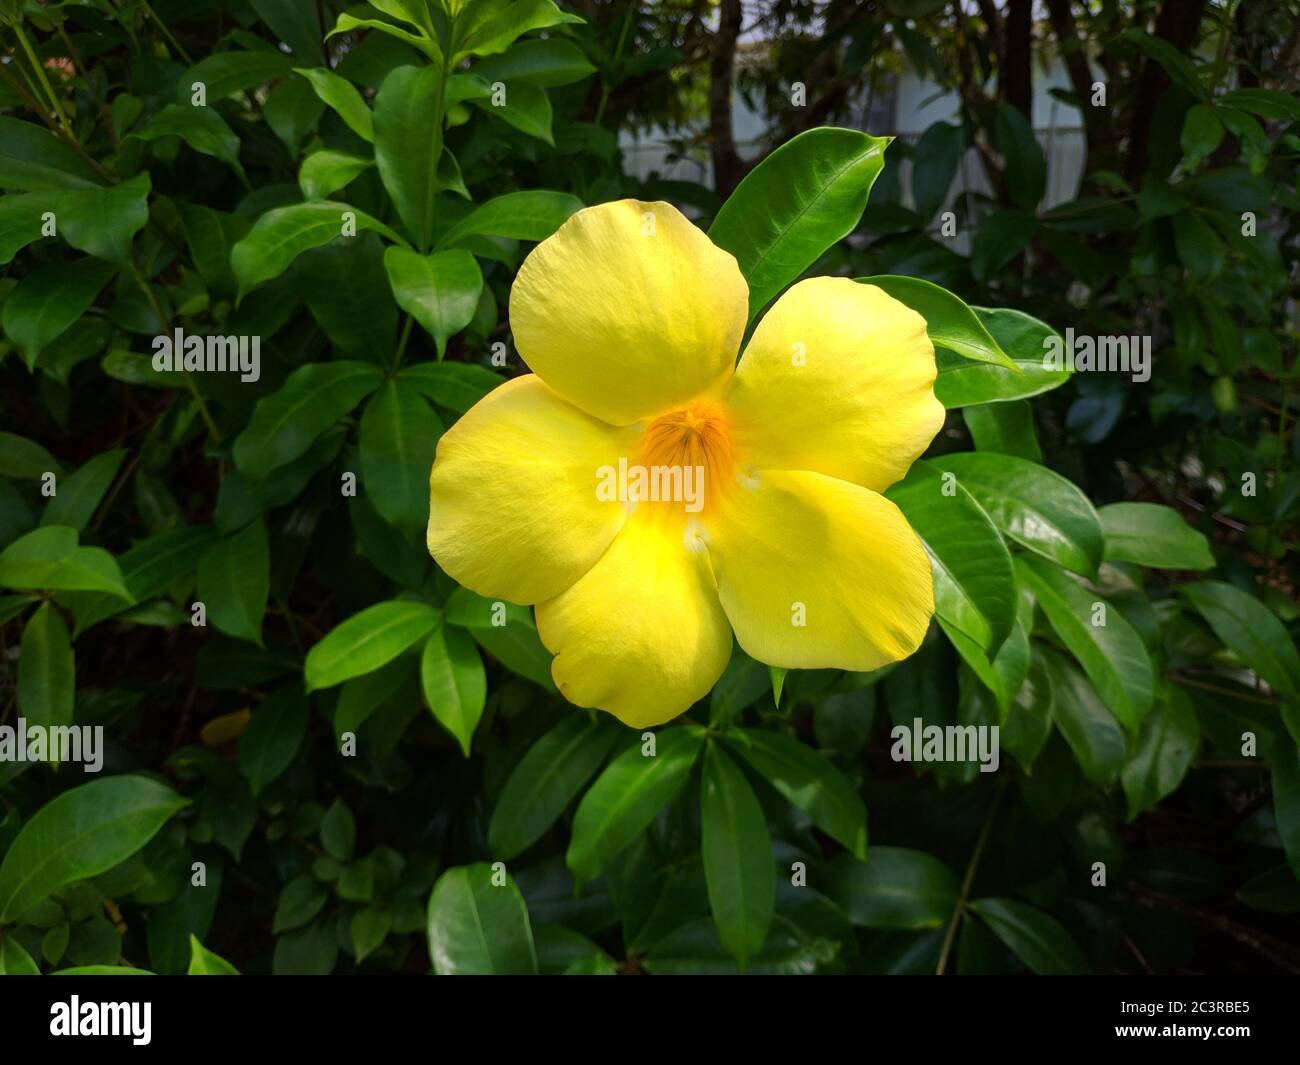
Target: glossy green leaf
{"x": 79, "y": 834}
{"x": 627, "y": 796}
{"x": 551, "y": 772}
{"x": 1098, "y": 635}
{"x": 808, "y": 781}
{"x": 949, "y": 322}
{"x": 46, "y": 670}
{"x": 204, "y": 962}
{"x": 285, "y": 423}
{"x": 1032, "y": 505}
{"x": 455, "y": 686}
{"x": 963, "y": 383}
{"x": 399, "y": 435}
{"x": 477, "y": 926}
{"x": 738, "y": 865}
{"x": 272, "y": 737}
{"x": 408, "y": 146}
{"x": 800, "y": 200}
{"x": 323, "y": 173}
{"x": 202, "y": 128}
{"x": 1166, "y": 750}
{"x": 282, "y": 234}
{"x": 1005, "y": 428}
{"x": 1038, "y": 940}
{"x": 453, "y": 385}
{"x": 440, "y": 291}
{"x": 894, "y": 888}
{"x": 974, "y": 588}
{"x": 1250, "y": 630}
{"x": 1088, "y": 726}
{"x": 550, "y": 62}
{"x": 341, "y": 95}
{"x": 49, "y": 557}
{"x": 1151, "y": 535}
{"x": 525, "y": 107}
{"x": 235, "y": 582}
{"x": 49, "y": 300}
{"x": 368, "y": 640}
{"x": 80, "y": 493}
{"x": 530, "y": 214}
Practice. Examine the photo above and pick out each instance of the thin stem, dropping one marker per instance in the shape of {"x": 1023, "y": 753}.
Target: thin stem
{"x": 167, "y": 33}
{"x": 401, "y": 343}
{"x": 34, "y": 105}
{"x": 189, "y": 381}
{"x": 35, "y": 61}
{"x": 1179, "y": 678}
{"x": 969, "y": 880}
{"x": 618, "y": 54}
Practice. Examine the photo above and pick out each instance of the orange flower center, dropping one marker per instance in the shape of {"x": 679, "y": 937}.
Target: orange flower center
{"x": 691, "y": 447}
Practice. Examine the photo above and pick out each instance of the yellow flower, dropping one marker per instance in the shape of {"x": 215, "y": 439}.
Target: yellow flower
{"x": 772, "y": 524}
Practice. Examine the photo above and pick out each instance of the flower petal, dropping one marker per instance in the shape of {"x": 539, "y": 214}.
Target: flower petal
{"x": 837, "y": 378}
{"x": 513, "y": 510}
{"x": 642, "y": 634}
{"x": 816, "y": 572}
{"x": 628, "y": 310}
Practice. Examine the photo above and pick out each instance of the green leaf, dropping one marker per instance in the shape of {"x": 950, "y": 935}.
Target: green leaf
{"x": 547, "y": 63}
{"x": 455, "y": 686}
{"x": 272, "y": 737}
{"x": 453, "y": 385}
{"x": 81, "y": 833}
{"x": 495, "y": 27}
{"x": 1098, "y": 635}
{"x": 477, "y": 927}
{"x": 532, "y": 214}
{"x": 204, "y": 963}
{"x": 738, "y": 865}
{"x": 1151, "y": 535}
{"x": 24, "y": 459}
{"x": 1000, "y": 238}
{"x": 1176, "y": 65}
{"x": 517, "y": 646}
{"x": 551, "y": 772}
{"x": 286, "y": 423}
{"x": 808, "y": 781}
{"x": 79, "y": 494}
{"x": 440, "y": 291}
{"x": 894, "y": 888}
{"x": 1249, "y": 629}
{"x": 235, "y": 582}
{"x": 1032, "y": 505}
{"x": 14, "y": 960}
{"x": 949, "y": 322}
{"x": 338, "y": 831}
{"x": 423, "y": 44}
{"x": 32, "y": 158}
{"x": 974, "y": 588}
{"x": 525, "y": 107}
{"x": 1277, "y": 891}
{"x": 408, "y": 146}
{"x": 323, "y": 173}
{"x": 367, "y": 641}
{"x": 804, "y": 197}
{"x": 284, "y": 233}
{"x": 627, "y": 796}
{"x": 1004, "y": 428}
{"x": 341, "y": 95}
{"x": 399, "y": 436}
{"x": 1267, "y": 103}
{"x": 101, "y": 222}
{"x": 1202, "y": 134}
{"x": 1199, "y": 247}
{"x": 302, "y": 899}
{"x": 1038, "y": 940}
{"x": 370, "y": 927}
{"x": 202, "y": 128}
{"x": 963, "y": 383}
{"x": 46, "y": 670}
{"x": 49, "y": 300}
{"x": 1090, "y": 730}
{"x": 226, "y": 73}
{"x": 49, "y": 557}
{"x": 1166, "y": 750}
{"x": 1025, "y": 167}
